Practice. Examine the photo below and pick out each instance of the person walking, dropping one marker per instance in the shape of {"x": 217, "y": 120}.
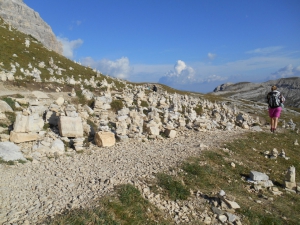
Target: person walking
{"x": 154, "y": 88}
{"x": 275, "y": 102}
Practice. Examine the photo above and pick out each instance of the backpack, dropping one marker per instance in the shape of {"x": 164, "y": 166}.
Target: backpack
{"x": 274, "y": 99}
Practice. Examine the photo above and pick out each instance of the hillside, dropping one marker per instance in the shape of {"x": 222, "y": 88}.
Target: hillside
{"x": 289, "y": 87}
{"x": 26, "y": 20}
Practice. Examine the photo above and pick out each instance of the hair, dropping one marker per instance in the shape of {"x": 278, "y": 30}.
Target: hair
{"x": 273, "y": 88}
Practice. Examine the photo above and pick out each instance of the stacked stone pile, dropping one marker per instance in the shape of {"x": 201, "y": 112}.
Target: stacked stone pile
{"x": 290, "y": 180}
{"x": 162, "y": 114}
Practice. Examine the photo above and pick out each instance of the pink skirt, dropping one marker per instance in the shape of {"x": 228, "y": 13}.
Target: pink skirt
{"x": 274, "y": 112}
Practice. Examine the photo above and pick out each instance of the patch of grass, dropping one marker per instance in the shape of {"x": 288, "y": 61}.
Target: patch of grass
{"x": 126, "y": 207}
{"x": 174, "y": 188}
{"x": 80, "y": 97}
{"x": 83, "y": 216}
{"x": 198, "y": 109}
{"x": 131, "y": 208}
{"x": 144, "y": 104}
{"x": 11, "y": 163}
{"x": 198, "y": 176}
{"x": 214, "y": 98}
{"x": 116, "y": 105}
{"x": 261, "y": 219}
{"x": 21, "y": 161}
{"x": 46, "y": 126}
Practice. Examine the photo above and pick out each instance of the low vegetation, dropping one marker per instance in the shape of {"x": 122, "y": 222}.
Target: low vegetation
{"x": 126, "y": 206}
{"x": 116, "y": 105}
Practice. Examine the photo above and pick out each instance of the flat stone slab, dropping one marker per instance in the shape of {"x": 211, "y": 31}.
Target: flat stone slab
{"x": 258, "y": 176}
{"x": 10, "y": 152}
{"x": 256, "y": 128}
{"x": 40, "y": 95}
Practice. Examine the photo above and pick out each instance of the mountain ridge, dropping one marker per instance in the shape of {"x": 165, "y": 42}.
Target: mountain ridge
{"x": 289, "y": 87}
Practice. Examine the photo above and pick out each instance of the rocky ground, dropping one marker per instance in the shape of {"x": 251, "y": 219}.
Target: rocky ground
{"x": 31, "y": 192}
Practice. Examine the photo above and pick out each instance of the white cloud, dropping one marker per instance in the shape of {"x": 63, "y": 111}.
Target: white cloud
{"x": 213, "y": 78}
{"x": 181, "y": 73}
{"x": 184, "y": 75}
{"x": 211, "y": 56}
{"x": 264, "y": 51}
{"x": 287, "y": 71}
{"x": 69, "y": 46}
{"x": 120, "y": 68}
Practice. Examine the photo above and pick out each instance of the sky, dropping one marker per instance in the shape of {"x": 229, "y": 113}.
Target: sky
{"x": 192, "y": 45}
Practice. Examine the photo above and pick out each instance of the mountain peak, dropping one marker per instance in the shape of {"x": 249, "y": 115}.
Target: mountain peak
{"x": 26, "y": 20}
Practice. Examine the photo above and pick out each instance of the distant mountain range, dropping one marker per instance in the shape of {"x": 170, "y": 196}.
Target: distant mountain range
{"x": 289, "y": 87}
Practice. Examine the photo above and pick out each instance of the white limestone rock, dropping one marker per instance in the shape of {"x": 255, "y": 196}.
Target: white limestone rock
{"x": 31, "y": 123}
{"x": 40, "y": 95}
{"x": 70, "y": 126}
{"x": 58, "y": 146}
{"x": 4, "y": 107}
{"x": 258, "y": 176}
{"x": 10, "y": 152}
{"x": 60, "y": 101}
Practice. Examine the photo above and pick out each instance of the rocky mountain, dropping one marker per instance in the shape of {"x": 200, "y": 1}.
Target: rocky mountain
{"x": 26, "y": 20}
{"x": 289, "y": 87}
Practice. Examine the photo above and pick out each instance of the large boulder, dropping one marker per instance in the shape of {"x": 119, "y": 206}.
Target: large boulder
{"x": 170, "y": 133}
{"x": 10, "y": 152}
{"x": 105, "y": 139}
{"x": 70, "y": 126}
{"x": 32, "y": 123}
{"x": 58, "y": 146}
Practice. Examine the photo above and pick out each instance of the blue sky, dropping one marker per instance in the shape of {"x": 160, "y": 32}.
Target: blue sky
{"x": 188, "y": 44}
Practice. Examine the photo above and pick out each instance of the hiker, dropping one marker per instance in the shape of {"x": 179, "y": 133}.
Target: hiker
{"x": 154, "y": 88}
{"x": 275, "y": 101}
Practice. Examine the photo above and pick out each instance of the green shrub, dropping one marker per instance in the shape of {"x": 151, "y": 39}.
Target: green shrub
{"x": 116, "y": 105}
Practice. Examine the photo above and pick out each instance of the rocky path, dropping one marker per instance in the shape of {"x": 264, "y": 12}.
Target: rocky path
{"x": 31, "y": 192}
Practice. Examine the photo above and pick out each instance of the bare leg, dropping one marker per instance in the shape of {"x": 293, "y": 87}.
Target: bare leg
{"x": 272, "y": 123}
{"x": 275, "y": 122}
